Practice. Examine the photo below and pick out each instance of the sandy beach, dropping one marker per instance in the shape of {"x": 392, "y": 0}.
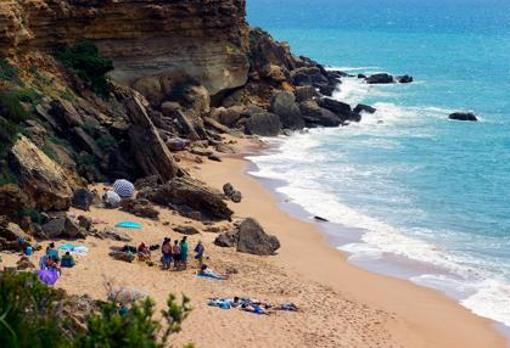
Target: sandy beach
{"x": 340, "y": 305}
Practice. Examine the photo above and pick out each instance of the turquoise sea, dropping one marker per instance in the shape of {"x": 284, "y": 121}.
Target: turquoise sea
{"x": 431, "y": 196}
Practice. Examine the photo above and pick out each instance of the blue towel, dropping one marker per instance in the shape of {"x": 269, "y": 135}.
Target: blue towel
{"x": 129, "y": 224}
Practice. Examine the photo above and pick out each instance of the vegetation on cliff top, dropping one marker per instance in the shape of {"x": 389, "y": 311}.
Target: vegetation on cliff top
{"x": 33, "y": 315}
{"x": 84, "y": 59}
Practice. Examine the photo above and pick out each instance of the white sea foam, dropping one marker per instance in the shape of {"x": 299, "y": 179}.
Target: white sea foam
{"x": 468, "y": 279}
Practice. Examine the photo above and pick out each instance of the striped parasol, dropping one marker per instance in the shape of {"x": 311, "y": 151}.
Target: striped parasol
{"x": 124, "y": 188}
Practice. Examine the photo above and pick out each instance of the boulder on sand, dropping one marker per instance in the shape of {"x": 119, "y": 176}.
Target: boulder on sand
{"x": 252, "y": 239}
{"x": 139, "y": 207}
{"x": 190, "y": 197}
{"x": 463, "y": 116}
{"x": 62, "y": 227}
{"x": 226, "y": 240}
{"x": 113, "y": 235}
{"x": 263, "y": 123}
{"x": 186, "y": 230}
{"x": 232, "y": 193}
{"x": 82, "y": 199}
{"x": 122, "y": 256}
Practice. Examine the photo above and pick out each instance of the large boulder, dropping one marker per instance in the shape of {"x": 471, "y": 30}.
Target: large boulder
{"x": 341, "y": 109}
{"x": 190, "y": 197}
{"x": 82, "y": 199}
{"x": 228, "y": 116}
{"x": 284, "y": 105}
{"x": 252, "y": 239}
{"x": 12, "y": 232}
{"x": 381, "y": 78}
{"x": 263, "y": 123}
{"x": 62, "y": 227}
{"x": 463, "y": 116}
{"x": 112, "y": 234}
{"x": 13, "y": 200}
{"x": 316, "y": 116}
{"x": 304, "y": 93}
{"x": 41, "y": 178}
{"x": 187, "y": 230}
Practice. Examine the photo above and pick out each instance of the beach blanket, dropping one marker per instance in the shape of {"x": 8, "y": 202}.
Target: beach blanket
{"x": 79, "y": 250}
{"x": 48, "y": 276}
{"x": 129, "y": 224}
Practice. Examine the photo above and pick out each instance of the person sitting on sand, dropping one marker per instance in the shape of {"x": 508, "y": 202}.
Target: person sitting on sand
{"x": 176, "y": 254}
{"x": 52, "y": 252}
{"x": 166, "y": 251}
{"x": 184, "y": 252}
{"x": 207, "y": 272}
{"x": 199, "y": 253}
{"x": 67, "y": 261}
{"x": 144, "y": 254}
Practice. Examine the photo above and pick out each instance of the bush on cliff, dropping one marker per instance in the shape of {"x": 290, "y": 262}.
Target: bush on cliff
{"x": 31, "y": 316}
{"x": 85, "y": 60}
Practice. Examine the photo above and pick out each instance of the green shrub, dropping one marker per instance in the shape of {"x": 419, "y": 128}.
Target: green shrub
{"x": 13, "y": 110}
{"x": 85, "y": 60}
{"x": 31, "y": 316}
{"x": 28, "y": 95}
{"x": 106, "y": 142}
{"x": 8, "y": 72}
{"x": 34, "y": 215}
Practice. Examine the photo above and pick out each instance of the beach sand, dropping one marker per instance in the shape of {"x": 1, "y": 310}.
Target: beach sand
{"x": 341, "y": 305}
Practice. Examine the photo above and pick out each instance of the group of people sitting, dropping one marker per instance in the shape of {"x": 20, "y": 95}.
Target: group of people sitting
{"x": 51, "y": 259}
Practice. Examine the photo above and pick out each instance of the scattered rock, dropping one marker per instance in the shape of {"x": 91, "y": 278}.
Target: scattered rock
{"x": 199, "y": 151}
{"x": 404, "y": 79}
{"x": 284, "y": 105}
{"x": 236, "y": 196}
{"x": 113, "y": 235}
{"x": 122, "y": 256}
{"x": 177, "y": 144}
{"x": 85, "y": 222}
{"x": 139, "y": 207}
{"x": 216, "y": 125}
{"x": 381, "y": 78}
{"x": 362, "y": 76}
{"x": 226, "y": 240}
{"x": 252, "y": 239}
{"x": 82, "y": 199}
{"x": 263, "y": 123}
{"x": 223, "y": 148}
{"x": 228, "y": 189}
{"x": 168, "y": 108}
{"x": 186, "y": 230}
{"x": 463, "y": 116}
{"x": 364, "y": 108}
{"x": 24, "y": 263}
{"x": 12, "y": 232}
{"x": 304, "y": 93}
{"x": 62, "y": 227}
{"x": 214, "y": 158}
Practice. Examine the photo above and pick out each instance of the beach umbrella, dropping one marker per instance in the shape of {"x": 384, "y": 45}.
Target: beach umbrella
{"x": 124, "y": 188}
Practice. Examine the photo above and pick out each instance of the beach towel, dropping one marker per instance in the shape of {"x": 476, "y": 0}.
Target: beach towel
{"x": 79, "y": 250}
{"x": 129, "y": 224}
{"x": 48, "y": 276}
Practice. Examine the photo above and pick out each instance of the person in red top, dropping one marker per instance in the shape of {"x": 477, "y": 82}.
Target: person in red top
{"x": 176, "y": 254}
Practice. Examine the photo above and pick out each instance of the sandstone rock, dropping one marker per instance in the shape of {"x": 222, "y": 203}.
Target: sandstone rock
{"x": 199, "y": 151}
{"x": 342, "y": 110}
{"x": 62, "y": 227}
{"x": 186, "y": 230}
{"x": 177, "y": 144}
{"x": 65, "y": 112}
{"x": 190, "y": 198}
{"x": 82, "y": 199}
{"x": 463, "y": 116}
{"x": 169, "y": 108}
{"x": 13, "y": 200}
{"x": 139, "y": 207}
{"x": 382, "y": 78}
{"x": 12, "y": 232}
{"x": 228, "y": 189}
{"x": 228, "y": 116}
{"x": 226, "y": 240}
{"x": 223, "y": 148}
{"x": 284, "y": 105}
{"x": 43, "y": 180}
{"x": 215, "y": 158}
{"x": 364, "y": 108}
{"x": 216, "y": 125}
{"x": 85, "y": 142}
{"x": 304, "y": 93}
{"x": 85, "y": 222}
{"x": 113, "y": 235}
{"x": 252, "y": 239}
{"x": 315, "y": 116}
{"x": 263, "y": 123}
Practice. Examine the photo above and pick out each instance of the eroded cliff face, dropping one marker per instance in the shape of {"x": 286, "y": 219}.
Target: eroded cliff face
{"x": 148, "y": 40}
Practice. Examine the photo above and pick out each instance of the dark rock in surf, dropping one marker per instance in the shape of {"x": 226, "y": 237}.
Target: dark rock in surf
{"x": 364, "y": 108}
{"x": 382, "y": 78}
{"x": 404, "y": 79}
{"x": 463, "y": 116}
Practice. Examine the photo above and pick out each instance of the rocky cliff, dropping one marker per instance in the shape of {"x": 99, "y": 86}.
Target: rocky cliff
{"x": 94, "y": 90}
{"x": 149, "y": 40}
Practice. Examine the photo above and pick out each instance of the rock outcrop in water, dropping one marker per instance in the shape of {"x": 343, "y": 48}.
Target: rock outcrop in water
{"x": 463, "y": 116}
